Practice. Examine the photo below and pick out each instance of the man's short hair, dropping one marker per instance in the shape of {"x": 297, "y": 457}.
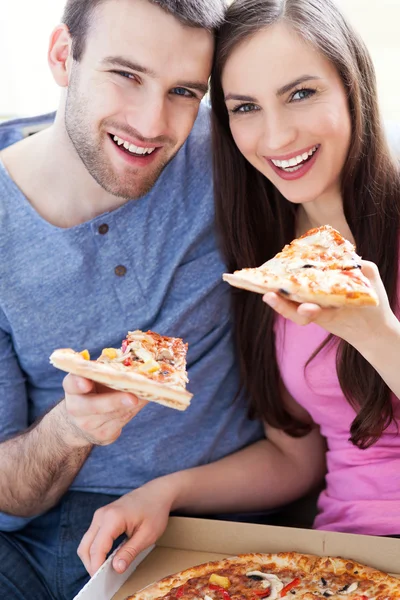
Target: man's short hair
{"x": 205, "y": 14}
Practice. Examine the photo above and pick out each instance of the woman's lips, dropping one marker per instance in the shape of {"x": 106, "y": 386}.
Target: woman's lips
{"x": 302, "y": 169}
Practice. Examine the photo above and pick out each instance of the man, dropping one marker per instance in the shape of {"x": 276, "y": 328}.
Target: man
{"x": 107, "y": 226}
{"x": 81, "y": 265}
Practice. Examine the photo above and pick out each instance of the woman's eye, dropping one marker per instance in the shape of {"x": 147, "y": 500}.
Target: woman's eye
{"x": 244, "y": 108}
{"x": 302, "y": 94}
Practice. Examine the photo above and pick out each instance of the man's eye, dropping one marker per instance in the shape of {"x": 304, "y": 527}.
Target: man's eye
{"x": 302, "y": 94}
{"x": 126, "y": 74}
{"x": 244, "y": 108}
{"x": 178, "y": 91}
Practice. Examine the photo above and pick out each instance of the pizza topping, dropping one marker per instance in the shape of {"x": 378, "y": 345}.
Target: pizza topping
{"x": 180, "y": 591}
{"x": 110, "y": 353}
{"x": 218, "y": 588}
{"x": 289, "y": 586}
{"x": 85, "y": 354}
{"x": 158, "y": 357}
{"x": 220, "y": 581}
{"x": 348, "y": 589}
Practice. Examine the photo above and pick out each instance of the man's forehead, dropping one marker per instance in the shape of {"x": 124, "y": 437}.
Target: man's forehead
{"x": 145, "y": 34}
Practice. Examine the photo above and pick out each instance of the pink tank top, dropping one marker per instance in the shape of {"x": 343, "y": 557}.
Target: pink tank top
{"x": 362, "y": 492}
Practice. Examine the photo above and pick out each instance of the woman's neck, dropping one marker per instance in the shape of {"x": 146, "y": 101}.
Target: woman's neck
{"x": 317, "y": 213}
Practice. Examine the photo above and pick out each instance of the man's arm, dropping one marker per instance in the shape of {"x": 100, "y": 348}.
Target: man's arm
{"x": 38, "y": 466}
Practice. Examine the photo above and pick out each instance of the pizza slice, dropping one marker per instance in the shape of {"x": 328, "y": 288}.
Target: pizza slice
{"x": 149, "y": 365}
{"x": 320, "y": 267}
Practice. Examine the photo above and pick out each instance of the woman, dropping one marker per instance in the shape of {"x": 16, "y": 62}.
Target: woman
{"x": 298, "y": 144}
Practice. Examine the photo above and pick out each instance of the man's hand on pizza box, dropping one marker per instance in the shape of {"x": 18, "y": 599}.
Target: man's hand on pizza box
{"x": 353, "y": 324}
{"x": 96, "y": 414}
{"x": 142, "y": 515}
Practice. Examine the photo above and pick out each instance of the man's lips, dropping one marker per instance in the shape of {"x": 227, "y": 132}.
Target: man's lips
{"x": 140, "y": 156}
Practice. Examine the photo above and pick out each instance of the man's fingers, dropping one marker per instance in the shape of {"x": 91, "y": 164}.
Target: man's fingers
{"x": 139, "y": 541}
{"x": 73, "y": 384}
{"x": 102, "y": 404}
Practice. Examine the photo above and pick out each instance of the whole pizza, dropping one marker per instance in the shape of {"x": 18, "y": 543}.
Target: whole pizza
{"x": 284, "y": 575}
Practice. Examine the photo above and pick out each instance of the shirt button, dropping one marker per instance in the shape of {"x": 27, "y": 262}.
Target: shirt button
{"x": 120, "y": 270}
{"x": 103, "y": 229}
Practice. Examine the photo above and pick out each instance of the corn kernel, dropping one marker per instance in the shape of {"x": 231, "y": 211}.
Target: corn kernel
{"x": 150, "y": 366}
{"x": 219, "y": 580}
{"x": 110, "y": 353}
{"x": 85, "y": 354}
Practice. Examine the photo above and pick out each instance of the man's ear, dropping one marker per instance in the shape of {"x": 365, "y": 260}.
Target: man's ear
{"x": 60, "y": 54}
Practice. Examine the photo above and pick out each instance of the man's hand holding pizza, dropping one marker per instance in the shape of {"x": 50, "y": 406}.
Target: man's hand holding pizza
{"x": 94, "y": 413}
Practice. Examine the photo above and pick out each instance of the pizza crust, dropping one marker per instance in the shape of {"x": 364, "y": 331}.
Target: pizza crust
{"x": 144, "y": 388}
{"x": 248, "y": 281}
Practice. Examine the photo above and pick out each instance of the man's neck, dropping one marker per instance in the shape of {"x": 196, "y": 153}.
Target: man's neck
{"x": 53, "y": 178}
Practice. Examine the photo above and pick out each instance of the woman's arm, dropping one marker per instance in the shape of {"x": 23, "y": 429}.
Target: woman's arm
{"x": 267, "y": 474}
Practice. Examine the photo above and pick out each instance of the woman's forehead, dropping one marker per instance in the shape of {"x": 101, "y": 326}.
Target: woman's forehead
{"x": 272, "y": 56}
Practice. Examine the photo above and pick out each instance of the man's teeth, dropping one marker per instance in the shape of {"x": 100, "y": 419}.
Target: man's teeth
{"x": 294, "y": 164}
{"x": 131, "y": 147}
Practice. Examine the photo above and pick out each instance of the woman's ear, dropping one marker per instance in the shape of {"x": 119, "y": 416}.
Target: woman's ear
{"x": 60, "y": 54}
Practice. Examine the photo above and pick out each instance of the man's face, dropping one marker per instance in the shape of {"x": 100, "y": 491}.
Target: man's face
{"x": 133, "y": 97}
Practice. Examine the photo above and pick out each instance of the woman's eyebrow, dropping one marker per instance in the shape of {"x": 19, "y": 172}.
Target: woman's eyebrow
{"x": 239, "y": 97}
{"x": 302, "y": 79}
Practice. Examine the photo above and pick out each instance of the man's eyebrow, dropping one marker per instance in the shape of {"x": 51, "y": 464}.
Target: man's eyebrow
{"x": 302, "y": 79}
{"x": 120, "y": 61}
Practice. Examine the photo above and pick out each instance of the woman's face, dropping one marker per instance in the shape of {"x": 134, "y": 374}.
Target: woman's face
{"x": 288, "y": 113}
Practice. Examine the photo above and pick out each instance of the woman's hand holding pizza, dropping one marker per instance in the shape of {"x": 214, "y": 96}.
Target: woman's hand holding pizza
{"x": 142, "y": 515}
{"x": 356, "y": 325}
{"x": 94, "y": 413}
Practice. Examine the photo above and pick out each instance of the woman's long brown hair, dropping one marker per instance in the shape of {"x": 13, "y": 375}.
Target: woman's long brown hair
{"x": 255, "y": 221}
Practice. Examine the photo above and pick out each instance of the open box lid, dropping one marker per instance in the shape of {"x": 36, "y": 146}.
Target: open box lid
{"x": 187, "y": 542}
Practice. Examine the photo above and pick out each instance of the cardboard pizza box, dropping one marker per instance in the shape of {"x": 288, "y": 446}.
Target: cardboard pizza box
{"x": 188, "y": 542}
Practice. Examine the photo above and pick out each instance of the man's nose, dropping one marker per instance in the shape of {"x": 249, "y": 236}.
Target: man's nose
{"x": 152, "y": 119}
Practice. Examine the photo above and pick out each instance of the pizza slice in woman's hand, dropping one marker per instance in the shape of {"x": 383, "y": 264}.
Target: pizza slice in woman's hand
{"x": 320, "y": 267}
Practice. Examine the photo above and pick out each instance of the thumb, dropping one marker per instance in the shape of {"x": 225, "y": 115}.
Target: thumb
{"x": 139, "y": 541}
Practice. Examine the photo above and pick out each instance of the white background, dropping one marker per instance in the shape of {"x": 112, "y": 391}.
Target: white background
{"x": 26, "y": 86}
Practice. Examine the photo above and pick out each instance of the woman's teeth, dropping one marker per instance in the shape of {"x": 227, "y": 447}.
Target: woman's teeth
{"x": 295, "y": 163}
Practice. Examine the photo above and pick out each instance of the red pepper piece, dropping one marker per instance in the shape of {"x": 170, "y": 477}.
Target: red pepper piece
{"x": 220, "y": 589}
{"x": 128, "y": 362}
{"x": 289, "y": 586}
{"x": 262, "y": 593}
{"x": 180, "y": 591}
